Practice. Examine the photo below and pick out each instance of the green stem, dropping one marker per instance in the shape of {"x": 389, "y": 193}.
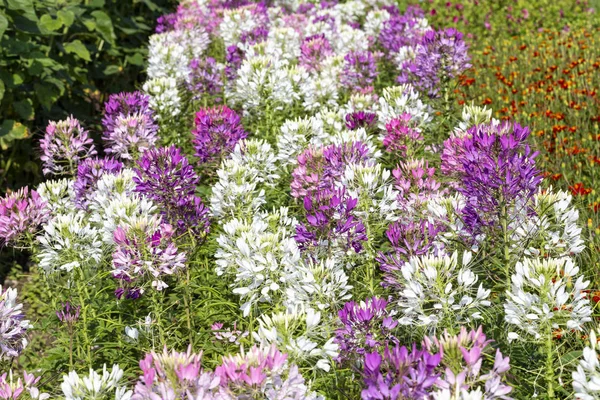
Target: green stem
{"x": 84, "y": 317}
{"x": 157, "y": 308}
{"x": 549, "y": 364}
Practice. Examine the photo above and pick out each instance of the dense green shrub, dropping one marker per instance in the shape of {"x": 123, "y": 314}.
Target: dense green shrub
{"x": 62, "y": 57}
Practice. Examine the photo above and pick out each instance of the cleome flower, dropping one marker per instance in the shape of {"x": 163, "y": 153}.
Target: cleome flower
{"x": 145, "y": 252}
{"x": 13, "y": 325}
{"x": 64, "y": 145}
{"x": 12, "y": 390}
{"x": 439, "y": 291}
{"x": 586, "y": 379}
{"x": 96, "y": 386}
{"x": 21, "y": 214}
{"x": 546, "y": 294}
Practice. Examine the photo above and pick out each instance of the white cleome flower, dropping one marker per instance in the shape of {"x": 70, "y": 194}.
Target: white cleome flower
{"x": 58, "y": 194}
{"x": 69, "y": 242}
{"x": 95, "y": 385}
{"x": 546, "y": 294}
{"x": 164, "y": 97}
{"x": 170, "y": 53}
{"x": 402, "y": 99}
{"x": 258, "y": 255}
{"x": 300, "y": 334}
{"x": 319, "y": 285}
{"x": 554, "y": 230}
{"x": 296, "y": 135}
{"x": 586, "y": 379}
{"x": 440, "y": 292}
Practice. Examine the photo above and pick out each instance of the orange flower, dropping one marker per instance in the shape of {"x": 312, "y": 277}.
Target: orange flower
{"x": 579, "y": 189}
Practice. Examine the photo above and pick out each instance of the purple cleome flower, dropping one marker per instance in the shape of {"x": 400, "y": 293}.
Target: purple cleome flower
{"x": 400, "y": 374}
{"x": 367, "y": 327}
{"x": 330, "y": 219}
{"x": 68, "y": 314}
{"x": 165, "y": 176}
{"x": 21, "y": 214}
{"x": 361, "y": 119}
{"x": 313, "y": 51}
{"x": 440, "y": 57}
{"x": 401, "y": 137}
{"x": 132, "y": 134}
{"x": 217, "y": 130}
{"x": 145, "y": 252}
{"x": 64, "y": 146}
{"x": 204, "y": 78}
{"x": 89, "y": 173}
{"x": 359, "y": 71}
{"x": 129, "y": 125}
{"x": 496, "y": 169}
{"x": 319, "y": 168}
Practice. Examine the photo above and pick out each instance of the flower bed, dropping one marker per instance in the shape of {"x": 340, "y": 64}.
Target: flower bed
{"x": 293, "y": 208}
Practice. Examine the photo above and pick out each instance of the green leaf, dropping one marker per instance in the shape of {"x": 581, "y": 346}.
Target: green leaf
{"x": 22, "y": 5}
{"x": 90, "y": 24}
{"x": 112, "y": 69}
{"x": 78, "y": 48}
{"x": 12, "y": 130}
{"x": 49, "y": 24}
{"x": 46, "y": 94}
{"x": 2, "y": 89}
{"x": 104, "y": 26}
{"x": 66, "y": 16}
{"x": 3, "y": 25}
{"x": 97, "y": 3}
{"x": 136, "y": 59}
{"x": 24, "y": 108}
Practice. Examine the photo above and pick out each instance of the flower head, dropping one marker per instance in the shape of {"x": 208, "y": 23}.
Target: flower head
{"x": 13, "y": 325}
{"x": 64, "y": 145}
{"x": 21, "y": 214}
{"x": 88, "y": 174}
{"x": 217, "y": 130}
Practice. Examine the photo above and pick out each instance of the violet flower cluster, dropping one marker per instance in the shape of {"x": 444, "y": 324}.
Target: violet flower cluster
{"x": 12, "y": 390}
{"x": 13, "y": 325}
{"x": 401, "y": 373}
{"x": 366, "y": 327}
{"x": 204, "y": 78}
{"x": 359, "y": 71}
{"x": 129, "y": 125}
{"x": 165, "y": 176}
{"x": 496, "y": 171}
{"x": 440, "y": 57}
{"x": 402, "y": 138}
{"x": 330, "y": 224}
{"x": 145, "y": 252}
{"x": 174, "y": 375}
{"x": 64, "y": 145}
{"x": 465, "y": 365}
{"x": 89, "y": 173}
{"x": 361, "y": 119}
{"x": 217, "y": 130}
{"x": 313, "y": 51}
{"x": 320, "y": 168}
{"x": 21, "y": 214}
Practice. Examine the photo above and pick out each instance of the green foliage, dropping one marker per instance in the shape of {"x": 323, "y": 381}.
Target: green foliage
{"x": 60, "y": 58}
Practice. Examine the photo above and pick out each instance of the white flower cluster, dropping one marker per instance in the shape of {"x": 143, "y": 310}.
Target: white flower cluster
{"x": 58, "y": 194}
{"x": 553, "y": 230}
{"x": 96, "y": 386}
{"x": 299, "y": 333}
{"x": 402, "y": 99}
{"x": 259, "y": 253}
{"x": 170, "y": 53}
{"x": 546, "y": 295}
{"x": 440, "y": 291}
{"x": 164, "y": 97}
{"x": 69, "y": 241}
{"x": 586, "y": 379}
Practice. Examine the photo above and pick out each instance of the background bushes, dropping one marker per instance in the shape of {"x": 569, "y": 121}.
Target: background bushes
{"x": 63, "y": 57}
